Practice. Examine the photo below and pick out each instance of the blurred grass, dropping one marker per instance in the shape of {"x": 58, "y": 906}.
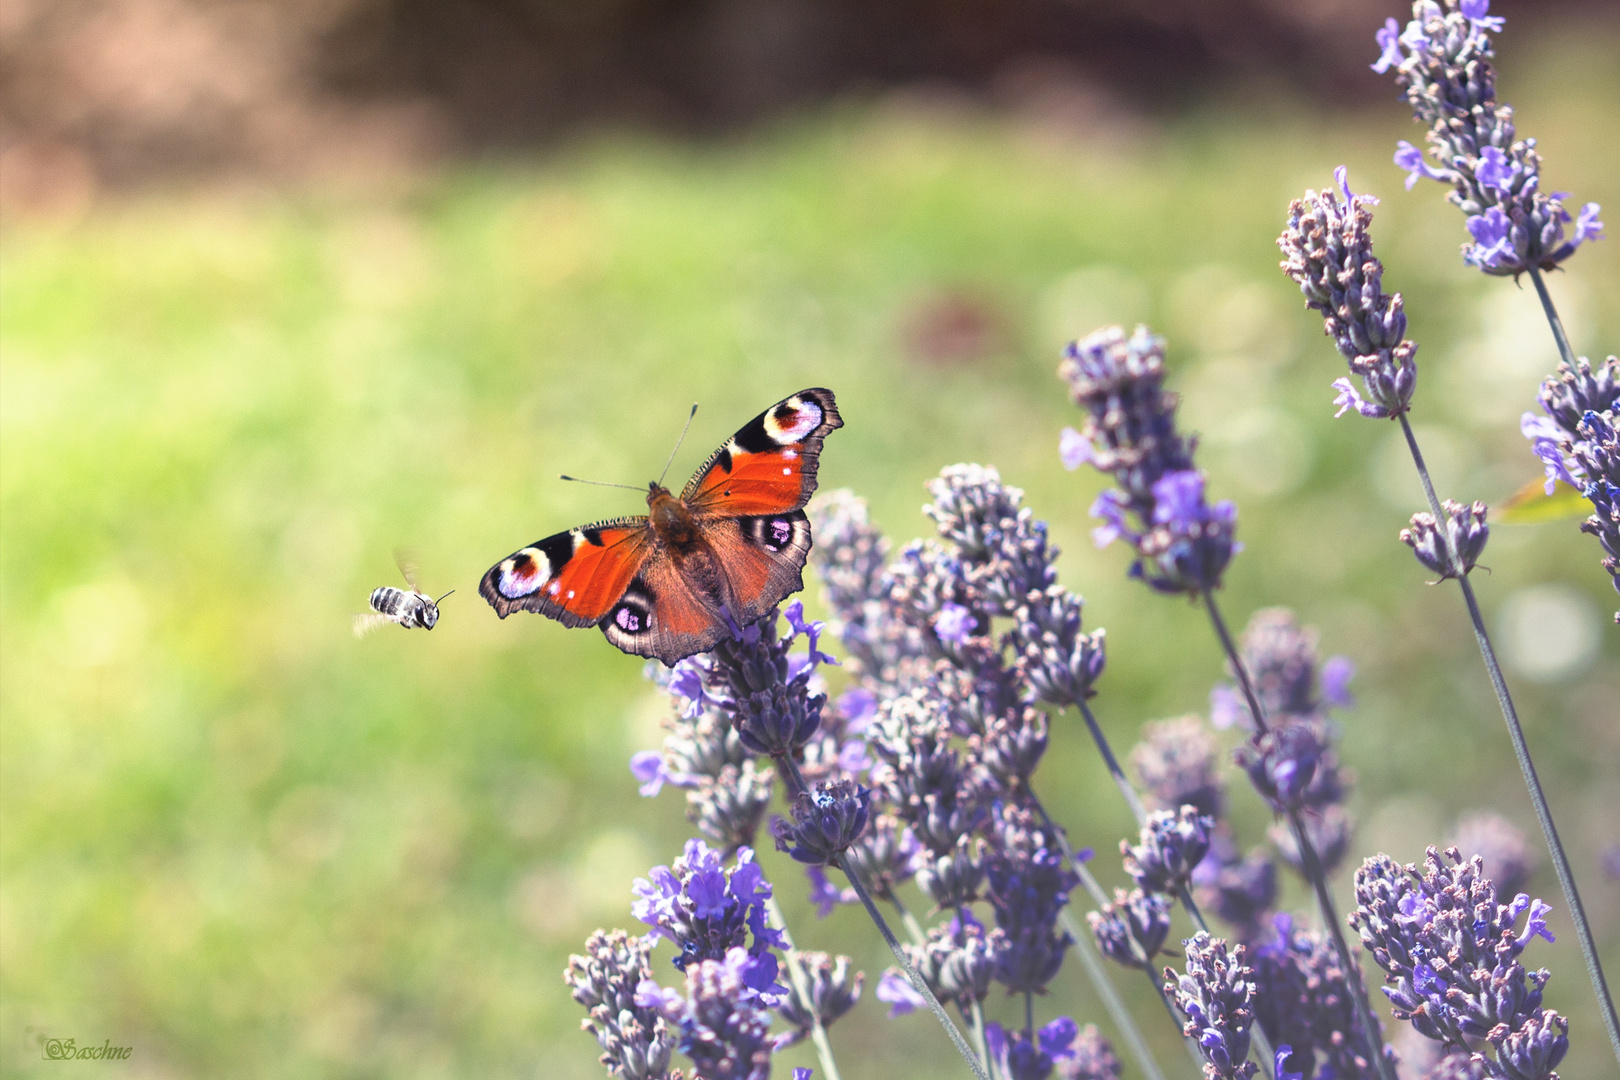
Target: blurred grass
{"x": 247, "y": 845}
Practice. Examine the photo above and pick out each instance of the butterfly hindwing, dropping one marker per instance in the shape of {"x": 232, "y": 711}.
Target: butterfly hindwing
{"x": 670, "y": 610}
{"x": 769, "y": 466}
{"x": 575, "y": 577}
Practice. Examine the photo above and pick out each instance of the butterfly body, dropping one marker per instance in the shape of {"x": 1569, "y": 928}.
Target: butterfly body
{"x": 698, "y": 565}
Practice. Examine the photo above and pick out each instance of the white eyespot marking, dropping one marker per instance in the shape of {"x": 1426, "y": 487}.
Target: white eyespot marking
{"x": 628, "y": 621}
{"x": 556, "y": 587}
{"x": 793, "y": 426}
{"x": 524, "y": 573}
{"x": 781, "y": 532}
{"x": 790, "y": 455}
{"x": 570, "y": 594}
{"x": 787, "y": 472}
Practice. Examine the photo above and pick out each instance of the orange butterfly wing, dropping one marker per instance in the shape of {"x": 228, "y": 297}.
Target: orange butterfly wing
{"x": 769, "y": 466}
{"x": 575, "y": 577}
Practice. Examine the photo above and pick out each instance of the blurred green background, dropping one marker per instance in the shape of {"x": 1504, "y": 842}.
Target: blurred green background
{"x": 247, "y": 845}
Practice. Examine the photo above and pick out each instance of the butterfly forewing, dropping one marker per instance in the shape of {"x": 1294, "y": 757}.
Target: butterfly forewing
{"x": 574, "y": 577}
{"x": 769, "y": 466}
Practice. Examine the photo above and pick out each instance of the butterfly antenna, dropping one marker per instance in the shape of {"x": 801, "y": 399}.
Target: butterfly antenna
{"x": 678, "y": 442}
{"x": 596, "y": 483}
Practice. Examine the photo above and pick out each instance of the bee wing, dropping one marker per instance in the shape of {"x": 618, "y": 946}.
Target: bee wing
{"x": 366, "y": 623}
{"x": 406, "y": 559}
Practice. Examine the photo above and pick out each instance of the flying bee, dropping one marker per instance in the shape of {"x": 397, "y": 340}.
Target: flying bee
{"x": 407, "y": 607}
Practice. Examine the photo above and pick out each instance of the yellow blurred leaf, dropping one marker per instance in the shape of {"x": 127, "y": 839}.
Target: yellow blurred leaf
{"x": 1531, "y": 504}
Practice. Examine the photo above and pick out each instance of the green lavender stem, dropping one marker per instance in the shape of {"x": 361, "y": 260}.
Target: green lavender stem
{"x": 1510, "y": 715}
{"x": 917, "y": 982}
{"x": 1565, "y": 353}
{"x": 1091, "y": 959}
{"x": 1139, "y": 811}
{"x": 1310, "y": 860}
{"x": 1101, "y": 898}
{"x": 801, "y": 986}
{"x": 793, "y": 780}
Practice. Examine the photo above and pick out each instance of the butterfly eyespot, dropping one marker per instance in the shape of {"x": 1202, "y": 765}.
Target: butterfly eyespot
{"x": 781, "y": 532}
{"x": 792, "y": 421}
{"x": 629, "y": 621}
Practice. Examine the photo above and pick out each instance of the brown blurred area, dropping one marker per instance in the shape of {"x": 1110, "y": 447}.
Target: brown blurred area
{"x": 109, "y": 94}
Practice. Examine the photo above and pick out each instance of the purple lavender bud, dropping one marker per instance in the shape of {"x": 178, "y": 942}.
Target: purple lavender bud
{"x": 958, "y": 960}
{"x": 1002, "y": 546}
{"x": 1329, "y": 829}
{"x": 851, "y": 558}
{"x": 1089, "y": 1057}
{"x": 705, "y": 909}
{"x": 1059, "y": 661}
{"x": 1010, "y": 749}
{"x": 1281, "y": 764}
{"x": 833, "y": 991}
{"x": 1172, "y": 845}
{"x": 1028, "y": 883}
{"x": 1508, "y": 857}
{"x": 954, "y": 623}
{"x": 1018, "y": 1056}
{"x": 1442, "y": 62}
{"x": 1074, "y": 449}
{"x": 636, "y": 1042}
{"x": 1240, "y": 889}
{"x": 1131, "y": 930}
{"x": 1216, "y": 995}
{"x": 724, "y": 1028}
{"x": 1282, "y": 658}
{"x": 951, "y": 878}
{"x": 729, "y": 807}
{"x": 1191, "y": 541}
{"x": 1176, "y": 763}
{"x": 1464, "y": 531}
{"x": 1534, "y": 1049}
{"x": 1329, "y": 254}
{"x": 1450, "y": 952}
{"x": 825, "y": 822}
{"x": 883, "y": 856}
{"x": 1304, "y": 1001}
{"x": 1130, "y": 422}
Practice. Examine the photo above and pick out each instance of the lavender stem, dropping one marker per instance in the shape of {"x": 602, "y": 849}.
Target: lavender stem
{"x": 1565, "y": 353}
{"x": 818, "y": 1031}
{"x": 1308, "y": 857}
{"x": 917, "y": 983}
{"x": 1096, "y": 970}
{"x": 1521, "y": 749}
{"x": 1132, "y": 799}
{"x": 1099, "y": 897}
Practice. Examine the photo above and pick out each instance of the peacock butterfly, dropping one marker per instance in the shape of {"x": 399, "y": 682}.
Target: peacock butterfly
{"x": 677, "y": 580}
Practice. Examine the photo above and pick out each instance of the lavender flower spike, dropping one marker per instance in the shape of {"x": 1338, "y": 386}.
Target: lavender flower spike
{"x": 1183, "y": 542}
{"x": 1217, "y": 996}
{"x": 1329, "y": 253}
{"x": 1464, "y": 532}
{"x": 1577, "y": 442}
{"x": 636, "y": 1042}
{"x": 1442, "y": 62}
{"x": 1450, "y": 952}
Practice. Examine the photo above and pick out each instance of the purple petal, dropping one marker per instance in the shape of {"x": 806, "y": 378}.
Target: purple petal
{"x": 1336, "y": 675}
{"x": 897, "y": 992}
{"x": 1389, "y": 43}
{"x": 1587, "y": 225}
{"x": 1073, "y": 448}
{"x": 648, "y": 767}
{"x": 1057, "y": 1038}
